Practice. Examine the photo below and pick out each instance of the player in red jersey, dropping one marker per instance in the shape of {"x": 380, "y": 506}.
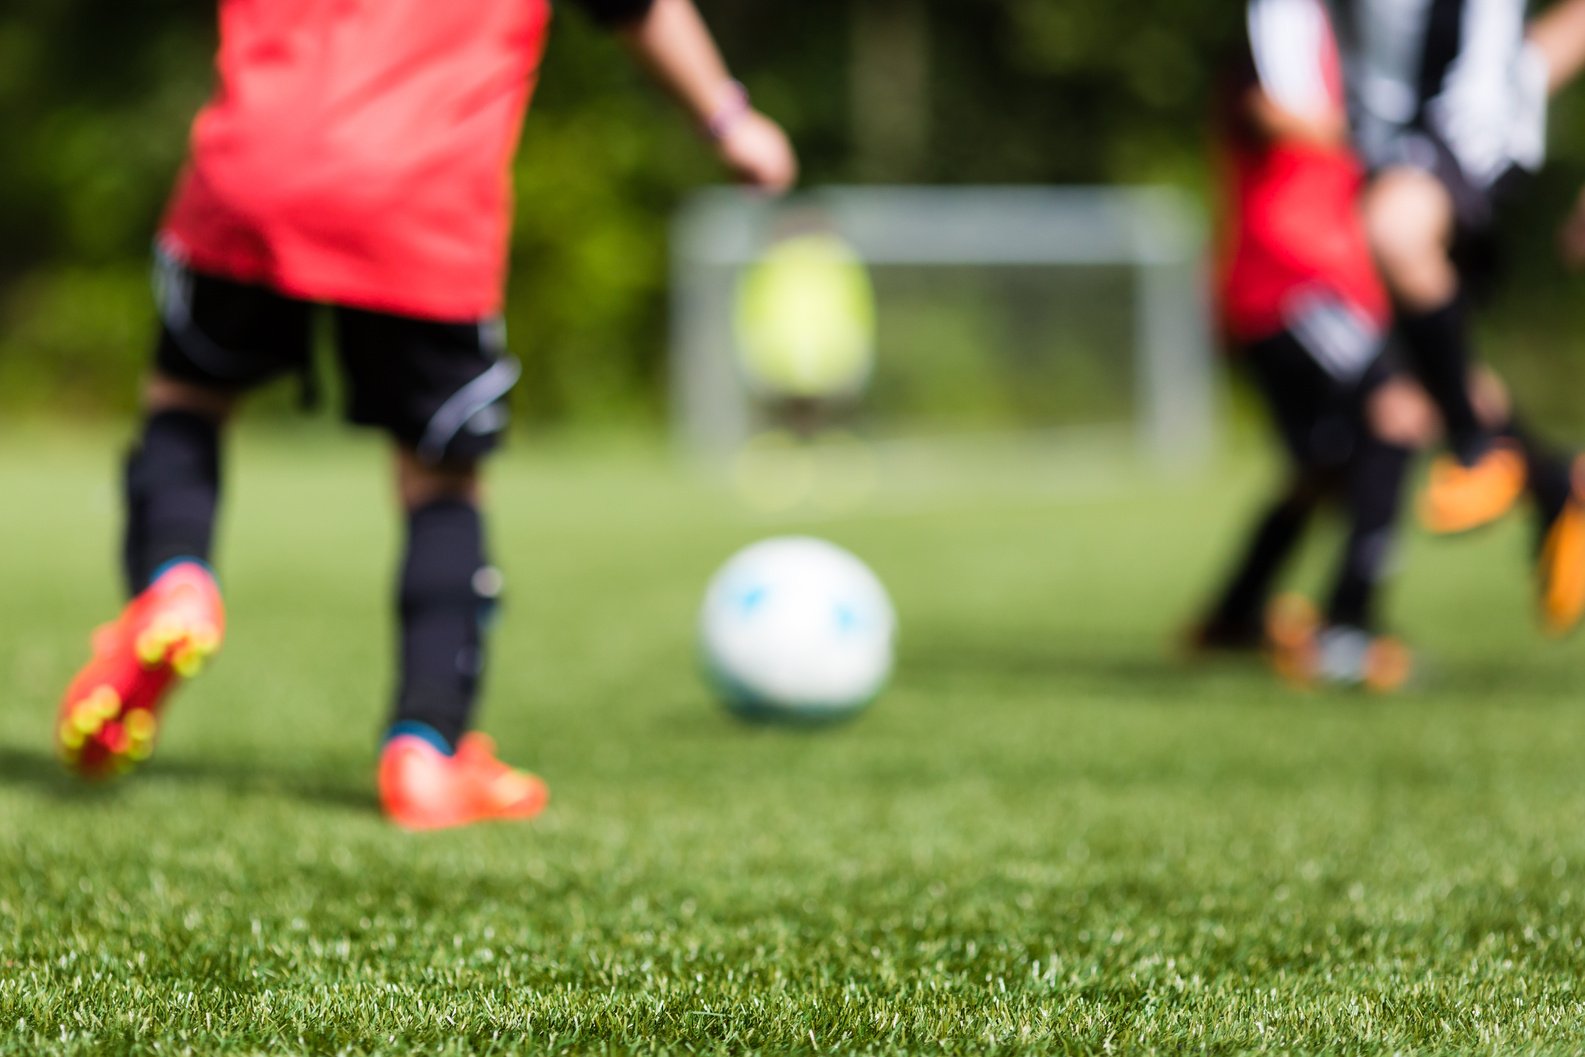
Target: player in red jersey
{"x": 354, "y": 160}
{"x": 1306, "y": 317}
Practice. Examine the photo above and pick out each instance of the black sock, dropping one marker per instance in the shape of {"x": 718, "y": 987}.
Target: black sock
{"x": 1374, "y": 496}
{"x": 172, "y": 483}
{"x": 447, "y": 594}
{"x": 1437, "y": 343}
{"x": 1548, "y": 476}
{"x": 1243, "y": 604}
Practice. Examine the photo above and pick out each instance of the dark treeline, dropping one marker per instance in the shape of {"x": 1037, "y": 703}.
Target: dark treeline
{"x": 95, "y": 100}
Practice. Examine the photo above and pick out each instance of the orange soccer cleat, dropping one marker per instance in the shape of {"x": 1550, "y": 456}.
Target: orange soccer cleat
{"x": 1560, "y": 567}
{"x": 1461, "y": 498}
{"x": 1309, "y": 653}
{"x": 1291, "y": 625}
{"x": 110, "y": 713}
{"x": 423, "y": 788}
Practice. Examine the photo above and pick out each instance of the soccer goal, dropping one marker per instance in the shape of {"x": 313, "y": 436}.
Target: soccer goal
{"x": 1026, "y": 314}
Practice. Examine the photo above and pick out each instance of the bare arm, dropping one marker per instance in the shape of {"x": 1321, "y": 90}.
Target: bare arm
{"x": 672, "y": 42}
{"x": 1277, "y": 124}
{"x": 1558, "y": 33}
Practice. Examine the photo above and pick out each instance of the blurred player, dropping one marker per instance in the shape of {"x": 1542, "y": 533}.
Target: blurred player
{"x": 1449, "y": 99}
{"x": 356, "y": 156}
{"x": 1306, "y": 316}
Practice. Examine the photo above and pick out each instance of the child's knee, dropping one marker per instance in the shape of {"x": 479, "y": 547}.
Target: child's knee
{"x": 1400, "y": 413}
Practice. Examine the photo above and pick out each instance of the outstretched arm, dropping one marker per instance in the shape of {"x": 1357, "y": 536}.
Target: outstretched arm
{"x": 1558, "y": 33}
{"x": 671, "y": 41}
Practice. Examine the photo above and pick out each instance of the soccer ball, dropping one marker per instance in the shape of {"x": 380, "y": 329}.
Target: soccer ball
{"x": 796, "y": 628}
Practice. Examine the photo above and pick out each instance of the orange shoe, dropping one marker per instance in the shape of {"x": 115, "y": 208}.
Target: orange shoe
{"x": 110, "y": 713}
{"x": 1291, "y": 626}
{"x": 1461, "y": 498}
{"x": 423, "y": 788}
{"x": 1308, "y": 653}
{"x": 1560, "y": 567}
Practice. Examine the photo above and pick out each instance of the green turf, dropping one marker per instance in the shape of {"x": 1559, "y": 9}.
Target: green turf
{"x": 1045, "y": 838}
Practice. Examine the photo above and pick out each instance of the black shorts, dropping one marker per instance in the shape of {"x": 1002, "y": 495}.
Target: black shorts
{"x": 1477, "y": 206}
{"x": 1315, "y": 378}
{"x": 437, "y": 387}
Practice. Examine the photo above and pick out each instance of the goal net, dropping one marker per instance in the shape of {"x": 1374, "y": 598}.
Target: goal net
{"x": 1025, "y": 318}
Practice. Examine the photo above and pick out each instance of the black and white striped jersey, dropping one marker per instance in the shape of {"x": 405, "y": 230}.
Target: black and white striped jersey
{"x": 1455, "y": 70}
{"x": 1294, "y": 56}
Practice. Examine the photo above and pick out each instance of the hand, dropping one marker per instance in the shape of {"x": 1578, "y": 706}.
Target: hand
{"x": 1571, "y": 236}
{"x": 757, "y": 152}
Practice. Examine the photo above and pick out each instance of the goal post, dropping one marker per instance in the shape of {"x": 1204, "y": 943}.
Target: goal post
{"x": 1152, "y": 236}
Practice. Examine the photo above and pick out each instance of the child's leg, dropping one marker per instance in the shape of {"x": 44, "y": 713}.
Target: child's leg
{"x": 433, "y": 773}
{"x": 1240, "y": 610}
{"x": 445, "y": 598}
{"x": 439, "y": 390}
{"x": 217, "y": 340}
{"x": 1410, "y": 219}
{"x": 172, "y": 479}
{"x": 1295, "y": 389}
{"x": 1373, "y": 494}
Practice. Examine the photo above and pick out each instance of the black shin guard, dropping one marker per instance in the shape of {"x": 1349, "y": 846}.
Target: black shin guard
{"x": 172, "y": 482}
{"x": 1437, "y": 343}
{"x": 1277, "y": 532}
{"x": 1374, "y": 495}
{"x": 446, "y": 597}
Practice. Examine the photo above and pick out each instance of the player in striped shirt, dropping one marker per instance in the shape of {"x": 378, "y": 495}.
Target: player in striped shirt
{"x": 1449, "y": 102}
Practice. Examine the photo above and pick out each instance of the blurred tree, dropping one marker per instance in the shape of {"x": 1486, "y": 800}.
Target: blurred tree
{"x": 95, "y": 100}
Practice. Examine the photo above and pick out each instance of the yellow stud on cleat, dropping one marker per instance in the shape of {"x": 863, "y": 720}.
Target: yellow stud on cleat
{"x": 205, "y": 639}
{"x": 188, "y": 661}
{"x": 105, "y": 702}
{"x": 151, "y": 648}
{"x": 140, "y": 725}
{"x": 110, "y": 714}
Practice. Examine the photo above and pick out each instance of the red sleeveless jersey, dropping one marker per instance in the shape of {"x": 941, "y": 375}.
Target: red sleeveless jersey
{"x": 358, "y": 151}
{"x": 1292, "y": 226}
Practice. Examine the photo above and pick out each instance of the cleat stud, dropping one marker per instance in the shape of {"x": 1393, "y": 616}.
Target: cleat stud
{"x": 85, "y": 719}
{"x": 106, "y": 703}
{"x": 140, "y": 725}
{"x": 187, "y": 663}
{"x": 70, "y": 738}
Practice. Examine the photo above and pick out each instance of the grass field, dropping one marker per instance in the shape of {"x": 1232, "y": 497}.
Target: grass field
{"x": 1047, "y": 837}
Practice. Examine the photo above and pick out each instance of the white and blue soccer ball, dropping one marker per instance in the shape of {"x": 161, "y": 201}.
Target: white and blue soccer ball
{"x": 797, "y": 628}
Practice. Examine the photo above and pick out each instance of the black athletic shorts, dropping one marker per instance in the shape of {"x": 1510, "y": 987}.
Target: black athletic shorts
{"x": 1315, "y": 378}
{"x": 437, "y": 387}
{"x": 1477, "y": 206}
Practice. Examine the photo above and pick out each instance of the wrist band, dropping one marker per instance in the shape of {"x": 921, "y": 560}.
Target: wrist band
{"x": 728, "y": 112}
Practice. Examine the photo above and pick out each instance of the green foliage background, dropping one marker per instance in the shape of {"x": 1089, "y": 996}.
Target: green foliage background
{"x": 95, "y": 100}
